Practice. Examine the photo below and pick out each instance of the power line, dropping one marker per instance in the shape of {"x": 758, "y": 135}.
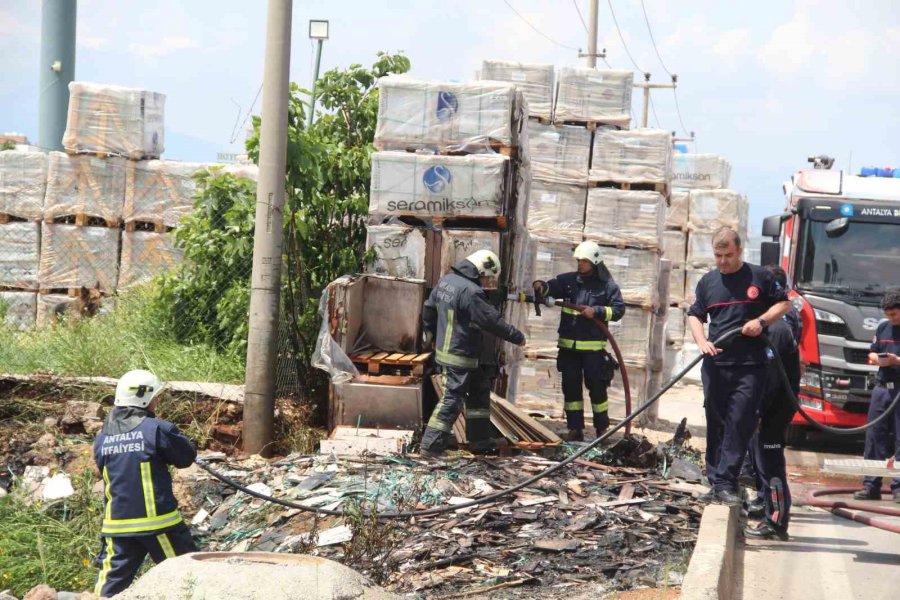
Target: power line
{"x": 678, "y": 108}
{"x": 653, "y": 41}
{"x": 622, "y": 38}
{"x": 655, "y": 116}
{"x": 580, "y": 16}
{"x": 536, "y": 30}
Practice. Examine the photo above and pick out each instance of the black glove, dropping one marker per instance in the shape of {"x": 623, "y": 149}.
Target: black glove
{"x": 540, "y": 288}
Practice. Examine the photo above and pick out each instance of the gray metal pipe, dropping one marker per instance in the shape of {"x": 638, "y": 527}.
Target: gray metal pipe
{"x": 57, "y": 68}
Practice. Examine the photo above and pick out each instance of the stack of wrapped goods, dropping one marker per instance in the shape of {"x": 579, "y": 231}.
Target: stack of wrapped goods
{"x": 701, "y": 205}
{"x": 445, "y": 179}
{"x": 108, "y": 127}
{"x": 23, "y": 179}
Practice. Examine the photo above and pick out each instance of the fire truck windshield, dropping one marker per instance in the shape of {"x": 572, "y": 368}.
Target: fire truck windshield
{"x": 858, "y": 264}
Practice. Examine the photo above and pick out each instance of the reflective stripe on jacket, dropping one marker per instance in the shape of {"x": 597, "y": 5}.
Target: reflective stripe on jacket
{"x": 458, "y": 313}
{"x": 135, "y": 468}
{"x": 601, "y": 294}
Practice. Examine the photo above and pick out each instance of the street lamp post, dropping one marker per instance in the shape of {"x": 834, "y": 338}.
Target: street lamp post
{"x": 318, "y": 30}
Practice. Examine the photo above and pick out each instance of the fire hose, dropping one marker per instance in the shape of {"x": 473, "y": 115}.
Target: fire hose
{"x": 846, "y": 509}
{"x": 404, "y": 514}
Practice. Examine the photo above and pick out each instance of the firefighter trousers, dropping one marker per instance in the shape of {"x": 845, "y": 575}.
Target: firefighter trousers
{"x": 462, "y": 387}
{"x": 593, "y": 369}
{"x": 767, "y": 450}
{"x": 883, "y": 440}
{"x": 121, "y": 557}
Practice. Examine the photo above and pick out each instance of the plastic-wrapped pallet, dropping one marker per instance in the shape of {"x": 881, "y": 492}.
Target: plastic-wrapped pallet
{"x": 552, "y": 256}
{"x": 159, "y": 190}
{"x": 676, "y": 285}
{"x": 639, "y": 156}
{"x": 711, "y": 209}
{"x": 20, "y": 309}
{"x": 399, "y": 251}
{"x": 426, "y": 186}
{"x": 146, "y": 254}
{"x": 638, "y": 376}
{"x": 471, "y": 116}
{"x": 675, "y": 324}
{"x": 541, "y": 336}
{"x": 636, "y": 271}
{"x": 675, "y": 246}
{"x": 74, "y": 256}
{"x": 559, "y": 152}
{"x": 624, "y": 218}
{"x": 700, "y": 250}
{"x": 632, "y": 333}
{"x": 85, "y": 185}
{"x": 557, "y": 208}
{"x": 23, "y": 181}
{"x": 677, "y": 213}
{"x": 584, "y": 94}
{"x": 700, "y": 171}
{"x": 457, "y": 244}
{"x": 109, "y": 119}
{"x": 250, "y": 171}
{"x": 535, "y": 81}
{"x": 20, "y": 251}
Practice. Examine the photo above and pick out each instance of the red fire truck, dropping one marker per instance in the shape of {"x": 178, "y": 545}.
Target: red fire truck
{"x": 839, "y": 241}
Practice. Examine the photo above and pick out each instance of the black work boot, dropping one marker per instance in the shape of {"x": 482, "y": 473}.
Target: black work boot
{"x": 574, "y": 435}
{"x": 766, "y": 531}
{"x": 488, "y": 446}
{"x": 728, "y": 498}
{"x": 755, "y": 509}
{"x": 867, "y": 494}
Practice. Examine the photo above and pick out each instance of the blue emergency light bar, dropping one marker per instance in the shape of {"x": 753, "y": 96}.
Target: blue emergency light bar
{"x": 879, "y": 172}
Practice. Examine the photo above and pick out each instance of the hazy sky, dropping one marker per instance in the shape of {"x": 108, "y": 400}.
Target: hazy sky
{"x": 763, "y": 83}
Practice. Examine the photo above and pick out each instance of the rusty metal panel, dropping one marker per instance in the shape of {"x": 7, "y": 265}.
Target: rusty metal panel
{"x": 376, "y": 405}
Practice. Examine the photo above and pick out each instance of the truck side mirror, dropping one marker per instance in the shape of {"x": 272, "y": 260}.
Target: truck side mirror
{"x": 837, "y": 227}
{"x": 771, "y": 226}
{"x": 769, "y": 253}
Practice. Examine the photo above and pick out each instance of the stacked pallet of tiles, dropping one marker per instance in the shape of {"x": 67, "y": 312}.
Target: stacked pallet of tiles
{"x": 23, "y": 179}
{"x": 446, "y": 178}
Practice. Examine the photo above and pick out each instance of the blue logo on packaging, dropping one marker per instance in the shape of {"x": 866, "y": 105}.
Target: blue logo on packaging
{"x": 437, "y": 178}
{"x": 847, "y": 210}
{"x": 447, "y": 106}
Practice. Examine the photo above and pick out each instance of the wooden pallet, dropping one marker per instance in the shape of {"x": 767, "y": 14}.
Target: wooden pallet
{"x": 8, "y": 218}
{"x": 494, "y": 223}
{"x": 494, "y": 146}
{"x": 156, "y": 226}
{"x": 83, "y": 220}
{"x": 649, "y": 186}
{"x": 590, "y": 125}
{"x": 376, "y": 363}
{"x": 73, "y": 292}
{"x": 71, "y": 152}
{"x": 13, "y": 288}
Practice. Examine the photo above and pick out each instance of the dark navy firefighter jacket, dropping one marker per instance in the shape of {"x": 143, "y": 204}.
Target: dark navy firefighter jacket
{"x": 133, "y": 453}
{"x": 599, "y": 292}
{"x": 458, "y": 312}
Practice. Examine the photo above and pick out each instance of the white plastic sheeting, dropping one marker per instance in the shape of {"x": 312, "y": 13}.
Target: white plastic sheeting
{"x": 115, "y": 120}
{"x": 23, "y": 181}
{"x": 426, "y": 186}
{"x": 692, "y": 278}
{"x": 559, "y": 152}
{"x": 414, "y": 113}
{"x": 675, "y": 246}
{"x": 551, "y": 256}
{"x": 399, "y": 251}
{"x": 20, "y": 251}
{"x": 711, "y": 209}
{"x": 639, "y": 156}
{"x": 160, "y": 190}
{"x": 534, "y": 80}
{"x": 74, "y": 256}
{"x": 677, "y": 214}
{"x": 20, "y": 309}
{"x": 632, "y": 333}
{"x": 585, "y": 94}
{"x": 700, "y": 171}
{"x": 700, "y": 250}
{"x": 556, "y": 208}
{"x": 145, "y": 255}
{"x": 457, "y": 244}
{"x": 637, "y": 273}
{"x": 676, "y": 285}
{"x": 86, "y": 185}
{"x": 625, "y": 218}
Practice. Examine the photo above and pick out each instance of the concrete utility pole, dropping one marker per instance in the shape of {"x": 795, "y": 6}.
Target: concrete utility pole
{"x": 259, "y": 382}
{"x": 592, "y": 53}
{"x": 57, "y": 70}
{"x": 647, "y": 86}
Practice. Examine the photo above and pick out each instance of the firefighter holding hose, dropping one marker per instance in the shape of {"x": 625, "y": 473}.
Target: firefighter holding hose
{"x": 582, "y": 356}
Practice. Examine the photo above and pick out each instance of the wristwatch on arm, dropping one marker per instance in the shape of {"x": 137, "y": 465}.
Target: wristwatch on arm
{"x": 762, "y": 322}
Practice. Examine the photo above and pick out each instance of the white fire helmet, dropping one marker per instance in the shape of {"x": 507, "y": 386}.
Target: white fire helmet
{"x": 487, "y": 263}
{"x": 137, "y": 388}
{"x": 589, "y": 251}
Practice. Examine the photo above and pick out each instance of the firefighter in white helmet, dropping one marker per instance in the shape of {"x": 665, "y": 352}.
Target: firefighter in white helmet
{"x": 455, "y": 318}
{"x": 134, "y": 452}
{"x": 582, "y": 355}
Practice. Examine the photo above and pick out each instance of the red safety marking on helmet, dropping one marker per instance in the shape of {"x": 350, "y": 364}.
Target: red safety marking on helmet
{"x": 753, "y": 292}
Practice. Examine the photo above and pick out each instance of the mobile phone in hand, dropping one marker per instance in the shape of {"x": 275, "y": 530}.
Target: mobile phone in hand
{"x": 882, "y": 355}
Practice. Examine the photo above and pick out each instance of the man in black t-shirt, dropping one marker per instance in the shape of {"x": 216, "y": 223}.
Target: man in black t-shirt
{"x": 883, "y": 440}
{"x": 735, "y": 294}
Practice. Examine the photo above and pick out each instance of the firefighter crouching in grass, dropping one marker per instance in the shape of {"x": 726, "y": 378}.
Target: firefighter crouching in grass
{"x": 582, "y": 344}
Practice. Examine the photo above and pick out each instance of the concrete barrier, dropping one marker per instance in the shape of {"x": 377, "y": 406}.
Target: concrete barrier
{"x": 710, "y": 574}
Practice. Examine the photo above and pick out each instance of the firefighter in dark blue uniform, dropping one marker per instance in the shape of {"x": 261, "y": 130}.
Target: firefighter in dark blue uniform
{"x": 735, "y": 294}
{"x": 883, "y": 440}
{"x": 133, "y": 453}
{"x": 582, "y": 355}
{"x": 776, "y": 412}
{"x": 455, "y": 317}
